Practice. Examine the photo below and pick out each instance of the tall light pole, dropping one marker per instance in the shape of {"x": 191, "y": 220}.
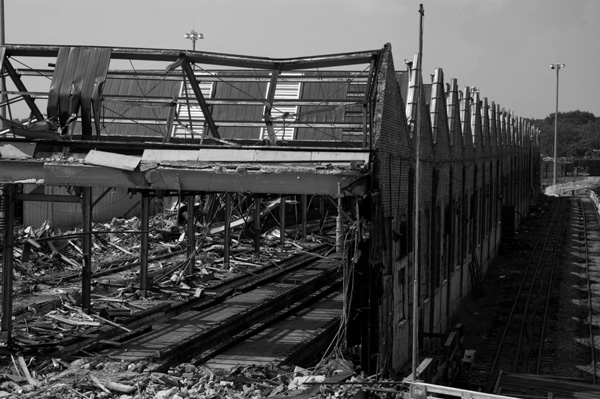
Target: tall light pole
{"x": 2, "y": 43}
{"x": 193, "y": 36}
{"x": 557, "y": 67}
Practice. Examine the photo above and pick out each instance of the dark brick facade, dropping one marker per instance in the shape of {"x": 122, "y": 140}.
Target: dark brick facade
{"x": 476, "y": 160}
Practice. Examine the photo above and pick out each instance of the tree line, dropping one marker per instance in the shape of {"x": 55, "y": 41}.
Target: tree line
{"x": 578, "y": 135}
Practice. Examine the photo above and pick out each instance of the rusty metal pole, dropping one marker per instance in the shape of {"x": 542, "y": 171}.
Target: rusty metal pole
{"x": 227, "y": 221}
{"x": 3, "y": 96}
{"x": 256, "y": 224}
{"x": 322, "y": 212}
{"x": 191, "y": 233}
{"x": 415, "y": 310}
{"x": 86, "y": 276}
{"x": 145, "y": 211}
{"x": 282, "y": 220}
{"x": 304, "y": 213}
{"x": 7, "y": 260}
{"x": 557, "y": 67}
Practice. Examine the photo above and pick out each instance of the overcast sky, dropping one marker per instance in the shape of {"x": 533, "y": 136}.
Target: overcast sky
{"x": 502, "y": 47}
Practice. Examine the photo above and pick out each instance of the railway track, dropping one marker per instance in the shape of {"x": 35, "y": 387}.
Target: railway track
{"x": 302, "y": 291}
{"x": 591, "y": 238}
{"x": 519, "y": 342}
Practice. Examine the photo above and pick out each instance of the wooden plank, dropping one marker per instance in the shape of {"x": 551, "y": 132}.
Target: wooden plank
{"x": 17, "y": 150}
{"x": 112, "y": 160}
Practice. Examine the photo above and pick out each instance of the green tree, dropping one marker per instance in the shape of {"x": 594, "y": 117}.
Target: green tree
{"x": 578, "y": 134}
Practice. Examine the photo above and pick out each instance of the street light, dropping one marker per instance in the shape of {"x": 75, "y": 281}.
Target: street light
{"x": 193, "y": 36}
{"x": 557, "y": 67}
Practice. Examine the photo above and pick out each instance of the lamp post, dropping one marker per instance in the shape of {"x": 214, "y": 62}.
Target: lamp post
{"x": 2, "y": 43}
{"x": 193, "y": 36}
{"x": 557, "y": 67}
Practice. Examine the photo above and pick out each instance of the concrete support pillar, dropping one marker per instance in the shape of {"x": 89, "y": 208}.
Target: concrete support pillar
{"x": 86, "y": 276}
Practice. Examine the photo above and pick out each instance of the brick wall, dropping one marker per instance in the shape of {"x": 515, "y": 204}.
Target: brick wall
{"x": 474, "y": 158}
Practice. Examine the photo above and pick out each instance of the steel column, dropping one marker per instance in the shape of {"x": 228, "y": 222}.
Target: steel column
{"x": 304, "y": 212}
{"x": 144, "y": 244}
{"x": 7, "y": 260}
{"x": 86, "y": 277}
{"x": 227, "y": 221}
{"x": 282, "y": 220}
{"x": 256, "y": 224}
{"x": 191, "y": 233}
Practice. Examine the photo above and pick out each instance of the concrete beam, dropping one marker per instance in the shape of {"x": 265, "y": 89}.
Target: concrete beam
{"x": 12, "y": 171}
{"x": 60, "y": 174}
{"x": 282, "y": 182}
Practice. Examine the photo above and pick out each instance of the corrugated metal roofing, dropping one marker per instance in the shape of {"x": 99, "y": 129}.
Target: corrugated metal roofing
{"x": 306, "y": 105}
{"x": 137, "y": 106}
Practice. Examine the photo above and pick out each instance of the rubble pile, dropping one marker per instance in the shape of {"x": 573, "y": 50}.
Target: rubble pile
{"x": 103, "y": 378}
{"x": 47, "y": 314}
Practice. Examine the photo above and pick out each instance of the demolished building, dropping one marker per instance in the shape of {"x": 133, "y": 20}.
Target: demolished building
{"x": 338, "y": 128}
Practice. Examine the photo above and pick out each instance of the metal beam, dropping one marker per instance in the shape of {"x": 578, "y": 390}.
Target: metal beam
{"x": 21, "y": 87}
{"x": 47, "y": 198}
{"x": 198, "y": 57}
{"x": 189, "y": 72}
{"x": 269, "y": 106}
{"x": 229, "y": 76}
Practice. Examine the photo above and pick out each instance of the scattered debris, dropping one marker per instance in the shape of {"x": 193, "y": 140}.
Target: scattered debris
{"x": 48, "y": 314}
{"x": 103, "y": 378}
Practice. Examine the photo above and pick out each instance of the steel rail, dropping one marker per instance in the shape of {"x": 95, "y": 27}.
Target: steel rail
{"x": 522, "y": 284}
{"x": 527, "y": 317}
{"x": 589, "y": 290}
{"x": 139, "y": 321}
{"x": 547, "y": 302}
